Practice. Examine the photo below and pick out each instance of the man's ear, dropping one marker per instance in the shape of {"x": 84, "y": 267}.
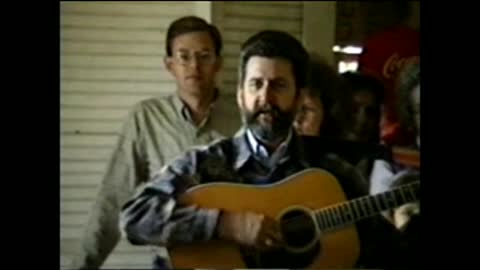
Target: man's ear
{"x": 168, "y": 64}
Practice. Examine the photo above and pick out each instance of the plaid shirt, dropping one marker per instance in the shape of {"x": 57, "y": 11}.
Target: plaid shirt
{"x": 153, "y": 216}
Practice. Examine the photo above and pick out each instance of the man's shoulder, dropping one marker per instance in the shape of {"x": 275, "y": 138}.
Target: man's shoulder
{"x": 334, "y": 160}
{"x": 217, "y": 146}
{"x": 329, "y": 160}
{"x": 349, "y": 177}
{"x": 147, "y": 111}
{"x": 161, "y": 101}
{"x": 158, "y": 107}
{"x": 219, "y": 152}
{"x": 205, "y": 157}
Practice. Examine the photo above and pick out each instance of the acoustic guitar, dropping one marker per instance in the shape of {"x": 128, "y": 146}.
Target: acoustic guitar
{"x": 317, "y": 222}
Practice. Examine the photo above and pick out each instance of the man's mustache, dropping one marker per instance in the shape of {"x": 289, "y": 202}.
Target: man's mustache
{"x": 274, "y": 111}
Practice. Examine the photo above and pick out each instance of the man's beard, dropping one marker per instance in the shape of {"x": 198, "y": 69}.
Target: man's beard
{"x": 273, "y": 132}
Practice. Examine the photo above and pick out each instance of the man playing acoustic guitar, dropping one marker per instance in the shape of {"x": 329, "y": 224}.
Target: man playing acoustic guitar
{"x": 272, "y": 71}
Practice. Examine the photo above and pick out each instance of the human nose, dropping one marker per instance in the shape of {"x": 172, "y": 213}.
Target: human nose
{"x": 194, "y": 62}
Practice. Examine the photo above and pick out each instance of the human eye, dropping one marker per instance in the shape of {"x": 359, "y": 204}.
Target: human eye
{"x": 280, "y": 85}
{"x": 254, "y": 84}
{"x": 205, "y": 55}
{"x": 183, "y": 56}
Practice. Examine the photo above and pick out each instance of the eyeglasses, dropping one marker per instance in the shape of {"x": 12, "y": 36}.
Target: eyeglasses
{"x": 203, "y": 58}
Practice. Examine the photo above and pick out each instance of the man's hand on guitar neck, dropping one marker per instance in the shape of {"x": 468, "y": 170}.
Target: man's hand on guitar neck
{"x": 250, "y": 229}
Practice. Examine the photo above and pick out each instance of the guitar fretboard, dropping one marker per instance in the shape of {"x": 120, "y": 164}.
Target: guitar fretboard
{"x": 349, "y": 212}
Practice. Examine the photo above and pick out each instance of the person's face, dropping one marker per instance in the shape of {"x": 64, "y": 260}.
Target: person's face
{"x": 267, "y": 97}
{"x": 309, "y": 117}
{"x": 193, "y": 62}
{"x": 416, "y": 109}
{"x": 364, "y": 115}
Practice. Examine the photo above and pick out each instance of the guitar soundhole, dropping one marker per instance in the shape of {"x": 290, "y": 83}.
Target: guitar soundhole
{"x": 298, "y": 228}
{"x": 301, "y": 248}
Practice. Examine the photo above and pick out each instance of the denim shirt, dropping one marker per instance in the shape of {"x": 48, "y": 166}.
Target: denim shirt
{"x": 154, "y": 217}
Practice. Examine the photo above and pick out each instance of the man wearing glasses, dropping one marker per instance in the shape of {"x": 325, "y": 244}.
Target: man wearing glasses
{"x": 161, "y": 128}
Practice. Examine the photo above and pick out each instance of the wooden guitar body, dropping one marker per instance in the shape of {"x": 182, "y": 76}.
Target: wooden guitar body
{"x": 301, "y": 193}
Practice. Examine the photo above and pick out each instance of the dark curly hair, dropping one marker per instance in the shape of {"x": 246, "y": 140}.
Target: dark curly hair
{"x": 408, "y": 78}
{"x": 357, "y": 82}
{"x": 325, "y": 84}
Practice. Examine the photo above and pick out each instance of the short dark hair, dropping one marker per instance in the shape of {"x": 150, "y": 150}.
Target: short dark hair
{"x": 190, "y": 24}
{"x": 276, "y": 44}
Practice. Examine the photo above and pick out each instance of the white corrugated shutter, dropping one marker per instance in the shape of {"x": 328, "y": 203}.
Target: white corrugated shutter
{"x": 239, "y": 20}
{"x": 111, "y": 57}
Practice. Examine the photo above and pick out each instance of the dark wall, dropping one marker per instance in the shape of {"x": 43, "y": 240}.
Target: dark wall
{"x": 358, "y": 20}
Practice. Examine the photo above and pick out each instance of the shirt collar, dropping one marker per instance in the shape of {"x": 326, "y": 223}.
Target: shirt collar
{"x": 241, "y": 148}
{"x": 255, "y": 146}
{"x": 261, "y": 151}
{"x": 184, "y": 111}
{"x": 246, "y": 145}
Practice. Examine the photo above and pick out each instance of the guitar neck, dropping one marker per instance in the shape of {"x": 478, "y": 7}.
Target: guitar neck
{"x": 352, "y": 211}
